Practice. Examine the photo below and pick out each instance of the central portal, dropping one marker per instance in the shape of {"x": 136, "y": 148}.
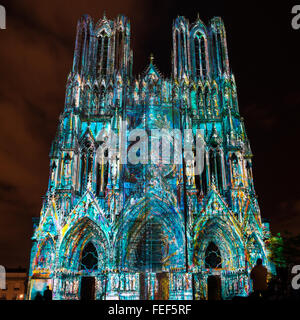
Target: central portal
{"x": 149, "y": 249}
{"x": 149, "y": 259}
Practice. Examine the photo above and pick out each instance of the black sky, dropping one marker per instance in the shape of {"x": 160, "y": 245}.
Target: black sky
{"x": 36, "y": 55}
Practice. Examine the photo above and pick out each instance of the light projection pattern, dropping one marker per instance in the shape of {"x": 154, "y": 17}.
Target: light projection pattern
{"x": 152, "y": 230}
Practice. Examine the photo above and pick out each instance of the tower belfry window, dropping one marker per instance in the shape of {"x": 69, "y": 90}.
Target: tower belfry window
{"x": 178, "y": 52}
{"x": 220, "y": 53}
{"x": 182, "y": 47}
{"x": 119, "y": 48}
{"x": 181, "y": 58}
{"x": 102, "y": 54}
{"x": 203, "y": 56}
{"x": 200, "y": 55}
{"x": 197, "y": 57}
{"x": 80, "y": 50}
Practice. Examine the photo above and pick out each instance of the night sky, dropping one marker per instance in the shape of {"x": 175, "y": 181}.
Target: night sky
{"x": 36, "y": 55}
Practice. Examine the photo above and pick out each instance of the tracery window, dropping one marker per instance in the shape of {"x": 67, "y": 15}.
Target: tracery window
{"x": 89, "y": 258}
{"x": 213, "y": 259}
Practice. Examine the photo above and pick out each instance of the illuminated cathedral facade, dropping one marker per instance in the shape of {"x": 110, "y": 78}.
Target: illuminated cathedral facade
{"x": 115, "y": 230}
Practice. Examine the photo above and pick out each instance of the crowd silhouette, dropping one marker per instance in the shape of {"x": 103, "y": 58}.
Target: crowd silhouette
{"x": 47, "y": 295}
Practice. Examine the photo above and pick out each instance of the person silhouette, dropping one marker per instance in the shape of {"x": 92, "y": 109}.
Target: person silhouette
{"x": 259, "y": 275}
{"x": 48, "y": 294}
{"x": 38, "y": 297}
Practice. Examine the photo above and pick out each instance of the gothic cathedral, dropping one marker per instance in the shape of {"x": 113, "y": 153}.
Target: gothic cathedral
{"x": 113, "y": 229}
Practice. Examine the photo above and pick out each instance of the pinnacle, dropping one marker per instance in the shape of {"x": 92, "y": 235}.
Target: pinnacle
{"x": 151, "y": 58}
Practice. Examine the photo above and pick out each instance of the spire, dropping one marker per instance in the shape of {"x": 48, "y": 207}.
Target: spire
{"x": 152, "y": 70}
{"x": 151, "y": 58}
{"x": 104, "y": 15}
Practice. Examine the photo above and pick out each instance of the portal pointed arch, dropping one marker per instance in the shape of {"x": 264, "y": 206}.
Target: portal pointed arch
{"x": 137, "y": 220}
{"x": 225, "y": 237}
{"x": 75, "y": 240}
